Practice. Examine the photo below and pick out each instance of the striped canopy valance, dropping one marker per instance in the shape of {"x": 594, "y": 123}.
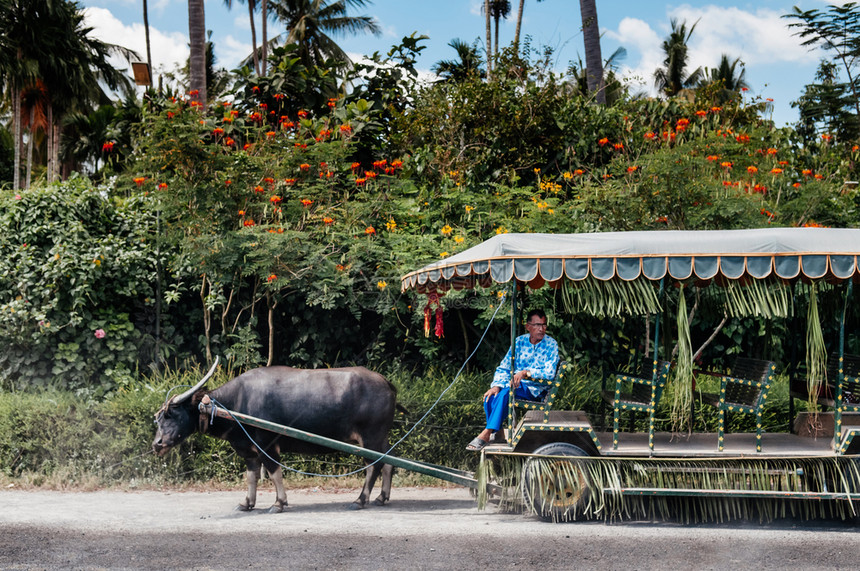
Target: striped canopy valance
{"x": 786, "y": 253}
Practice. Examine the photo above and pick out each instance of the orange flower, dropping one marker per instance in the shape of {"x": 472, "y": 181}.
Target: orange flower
{"x": 579, "y": 172}
{"x": 743, "y": 138}
{"x": 305, "y": 166}
{"x": 713, "y": 158}
{"x": 806, "y": 172}
{"x": 270, "y": 134}
{"x": 726, "y": 164}
{"x": 397, "y": 163}
{"x": 328, "y": 221}
{"x": 776, "y": 170}
{"x": 139, "y": 180}
{"x": 271, "y": 278}
{"x": 650, "y": 136}
{"x": 289, "y": 181}
{"x": 345, "y": 129}
{"x": 340, "y": 267}
{"x": 229, "y": 142}
{"x": 360, "y": 181}
{"x": 306, "y": 202}
{"x": 108, "y": 147}
{"x": 701, "y": 113}
{"x": 248, "y": 222}
{"x": 716, "y": 109}
{"x": 275, "y": 199}
{"x": 618, "y": 146}
{"x": 259, "y": 189}
{"x": 241, "y": 213}
{"x": 302, "y": 114}
{"x": 603, "y": 141}
{"x": 269, "y": 180}
{"x": 772, "y": 151}
{"x": 632, "y": 169}
{"x": 752, "y": 170}
{"x": 826, "y": 138}
{"x": 819, "y": 176}
{"x": 217, "y": 131}
{"x": 162, "y": 186}
{"x": 331, "y": 103}
{"x": 370, "y": 230}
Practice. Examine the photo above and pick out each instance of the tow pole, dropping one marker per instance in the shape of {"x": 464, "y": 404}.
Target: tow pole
{"x": 459, "y": 477}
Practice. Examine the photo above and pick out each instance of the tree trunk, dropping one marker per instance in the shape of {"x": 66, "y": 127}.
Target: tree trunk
{"x": 593, "y": 59}
{"x": 254, "y": 55}
{"x": 30, "y": 147}
{"x": 146, "y": 31}
{"x": 496, "y": 46}
{"x": 197, "y": 37}
{"x": 16, "y": 128}
{"x": 519, "y": 26}
{"x": 49, "y": 145}
{"x": 264, "y": 10}
{"x": 489, "y": 41}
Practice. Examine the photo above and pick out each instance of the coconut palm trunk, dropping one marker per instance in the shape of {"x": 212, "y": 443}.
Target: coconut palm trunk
{"x": 264, "y": 9}
{"x": 252, "y": 5}
{"x": 593, "y": 58}
{"x": 489, "y": 40}
{"x": 519, "y": 26}
{"x": 197, "y": 36}
{"x": 146, "y": 32}
{"x": 16, "y": 133}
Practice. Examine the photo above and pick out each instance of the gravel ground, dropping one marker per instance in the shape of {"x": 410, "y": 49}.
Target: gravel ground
{"x": 421, "y": 528}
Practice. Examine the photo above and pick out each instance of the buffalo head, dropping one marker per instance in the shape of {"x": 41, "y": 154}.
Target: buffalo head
{"x": 177, "y": 418}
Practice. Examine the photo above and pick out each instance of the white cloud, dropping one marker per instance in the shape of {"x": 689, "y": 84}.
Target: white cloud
{"x": 637, "y": 36}
{"x": 759, "y": 37}
{"x": 168, "y": 50}
{"x": 230, "y": 51}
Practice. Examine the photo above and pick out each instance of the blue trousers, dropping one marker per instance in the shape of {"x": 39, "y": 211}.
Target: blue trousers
{"x": 496, "y": 407}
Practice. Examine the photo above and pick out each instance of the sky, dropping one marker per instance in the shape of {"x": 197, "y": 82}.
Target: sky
{"x": 777, "y": 66}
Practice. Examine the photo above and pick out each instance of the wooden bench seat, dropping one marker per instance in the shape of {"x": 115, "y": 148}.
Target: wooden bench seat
{"x": 827, "y": 389}
{"x": 638, "y": 390}
{"x": 743, "y": 389}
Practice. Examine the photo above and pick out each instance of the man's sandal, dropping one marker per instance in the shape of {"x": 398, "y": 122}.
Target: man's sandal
{"x": 476, "y": 445}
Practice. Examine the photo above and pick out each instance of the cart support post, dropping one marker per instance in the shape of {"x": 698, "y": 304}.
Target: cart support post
{"x": 837, "y": 412}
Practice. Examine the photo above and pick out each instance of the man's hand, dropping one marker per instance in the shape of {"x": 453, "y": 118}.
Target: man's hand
{"x": 492, "y": 392}
{"x": 518, "y": 377}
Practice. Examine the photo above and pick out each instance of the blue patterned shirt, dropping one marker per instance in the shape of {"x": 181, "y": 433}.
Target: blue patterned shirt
{"x": 541, "y": 361}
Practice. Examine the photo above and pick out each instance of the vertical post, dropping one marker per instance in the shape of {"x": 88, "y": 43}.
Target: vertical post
{"x": 511, "y": 397}
{"x": 651, "y": 411}
{"x": 837, "y": 413}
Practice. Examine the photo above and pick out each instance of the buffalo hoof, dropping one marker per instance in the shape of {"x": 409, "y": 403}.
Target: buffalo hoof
{"x": 356, "y": 505}
{"x": 277, "y": 508}
{"x": 244, "y": 508}
{"x": 380, "y": 501}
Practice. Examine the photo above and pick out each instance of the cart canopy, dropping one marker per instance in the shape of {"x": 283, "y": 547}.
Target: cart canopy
{"x": 786, "y": 253}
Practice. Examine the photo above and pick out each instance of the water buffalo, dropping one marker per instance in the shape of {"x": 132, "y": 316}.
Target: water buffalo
{"x": 352, "y": 404}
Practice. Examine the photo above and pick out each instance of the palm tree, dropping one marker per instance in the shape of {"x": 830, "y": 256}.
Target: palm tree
{"x": 146, "y": 31}
{"x": 499, "y": 9}
{"x": 468, "y": 65}
{"x": 46, "y": 40}
{"x": 593, "y": 59}
{"x": 489, "y": 39}
{"x": 672, "y": 77}
{"x": 252, "y": 7}
{"x": 310, "y": 24}
{"x": 197, "y": 38}
{"x": 727, "y": 72}
{"x": 519, "y": 26}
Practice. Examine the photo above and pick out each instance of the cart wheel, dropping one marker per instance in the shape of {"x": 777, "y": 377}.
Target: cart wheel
{"x": 556, "y": 491}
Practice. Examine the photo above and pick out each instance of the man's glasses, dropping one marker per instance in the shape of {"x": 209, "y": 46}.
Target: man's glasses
{"x": 539, "y": 325}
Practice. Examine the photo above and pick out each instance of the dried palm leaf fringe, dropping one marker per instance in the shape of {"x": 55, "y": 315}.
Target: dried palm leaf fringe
{"x": 567, "y": 489}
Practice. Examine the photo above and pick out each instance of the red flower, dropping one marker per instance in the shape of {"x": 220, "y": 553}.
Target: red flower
{"x": 275, "y": 199}
{"x": 603, "y": 141}
{"x": 269, "y": 180}
{"x": 107, "y": 147}
{"x": 302, "y": 114}
{"x": 332, "y": 103}
{"x": 370, "y": 230}
{"x": 289, "y": 181}
{"x": 162, "y": 186}
{"x": 328, "y": 221}
{"x": 306, "y": 202}
{"x": 304, "y": 166}
{"x": 217, "y": 131}
{"x": 139, "y": 180}
{"x": 345, "y": 129}
{"x": 248, "y": 222}
{"x": 271, "y": 278}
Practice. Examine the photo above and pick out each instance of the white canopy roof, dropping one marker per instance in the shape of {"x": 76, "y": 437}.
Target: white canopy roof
{"x": 536, "y": 259}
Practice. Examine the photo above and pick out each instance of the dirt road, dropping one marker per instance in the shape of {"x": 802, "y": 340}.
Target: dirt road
{"x": 422, "y": 528}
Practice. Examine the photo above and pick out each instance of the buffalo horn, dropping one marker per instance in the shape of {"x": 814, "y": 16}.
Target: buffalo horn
{"x": 179, "y": 399}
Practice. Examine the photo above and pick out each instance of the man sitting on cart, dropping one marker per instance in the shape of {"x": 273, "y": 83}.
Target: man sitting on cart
{"x": 536, "y": 360}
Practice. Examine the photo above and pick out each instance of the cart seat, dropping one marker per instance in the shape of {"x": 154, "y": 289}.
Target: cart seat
{"x": 744, "y": 389}
{"x": 798, "y": 387}
{"x": 544, "y": 404}
{"x": 639, "y": 390}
